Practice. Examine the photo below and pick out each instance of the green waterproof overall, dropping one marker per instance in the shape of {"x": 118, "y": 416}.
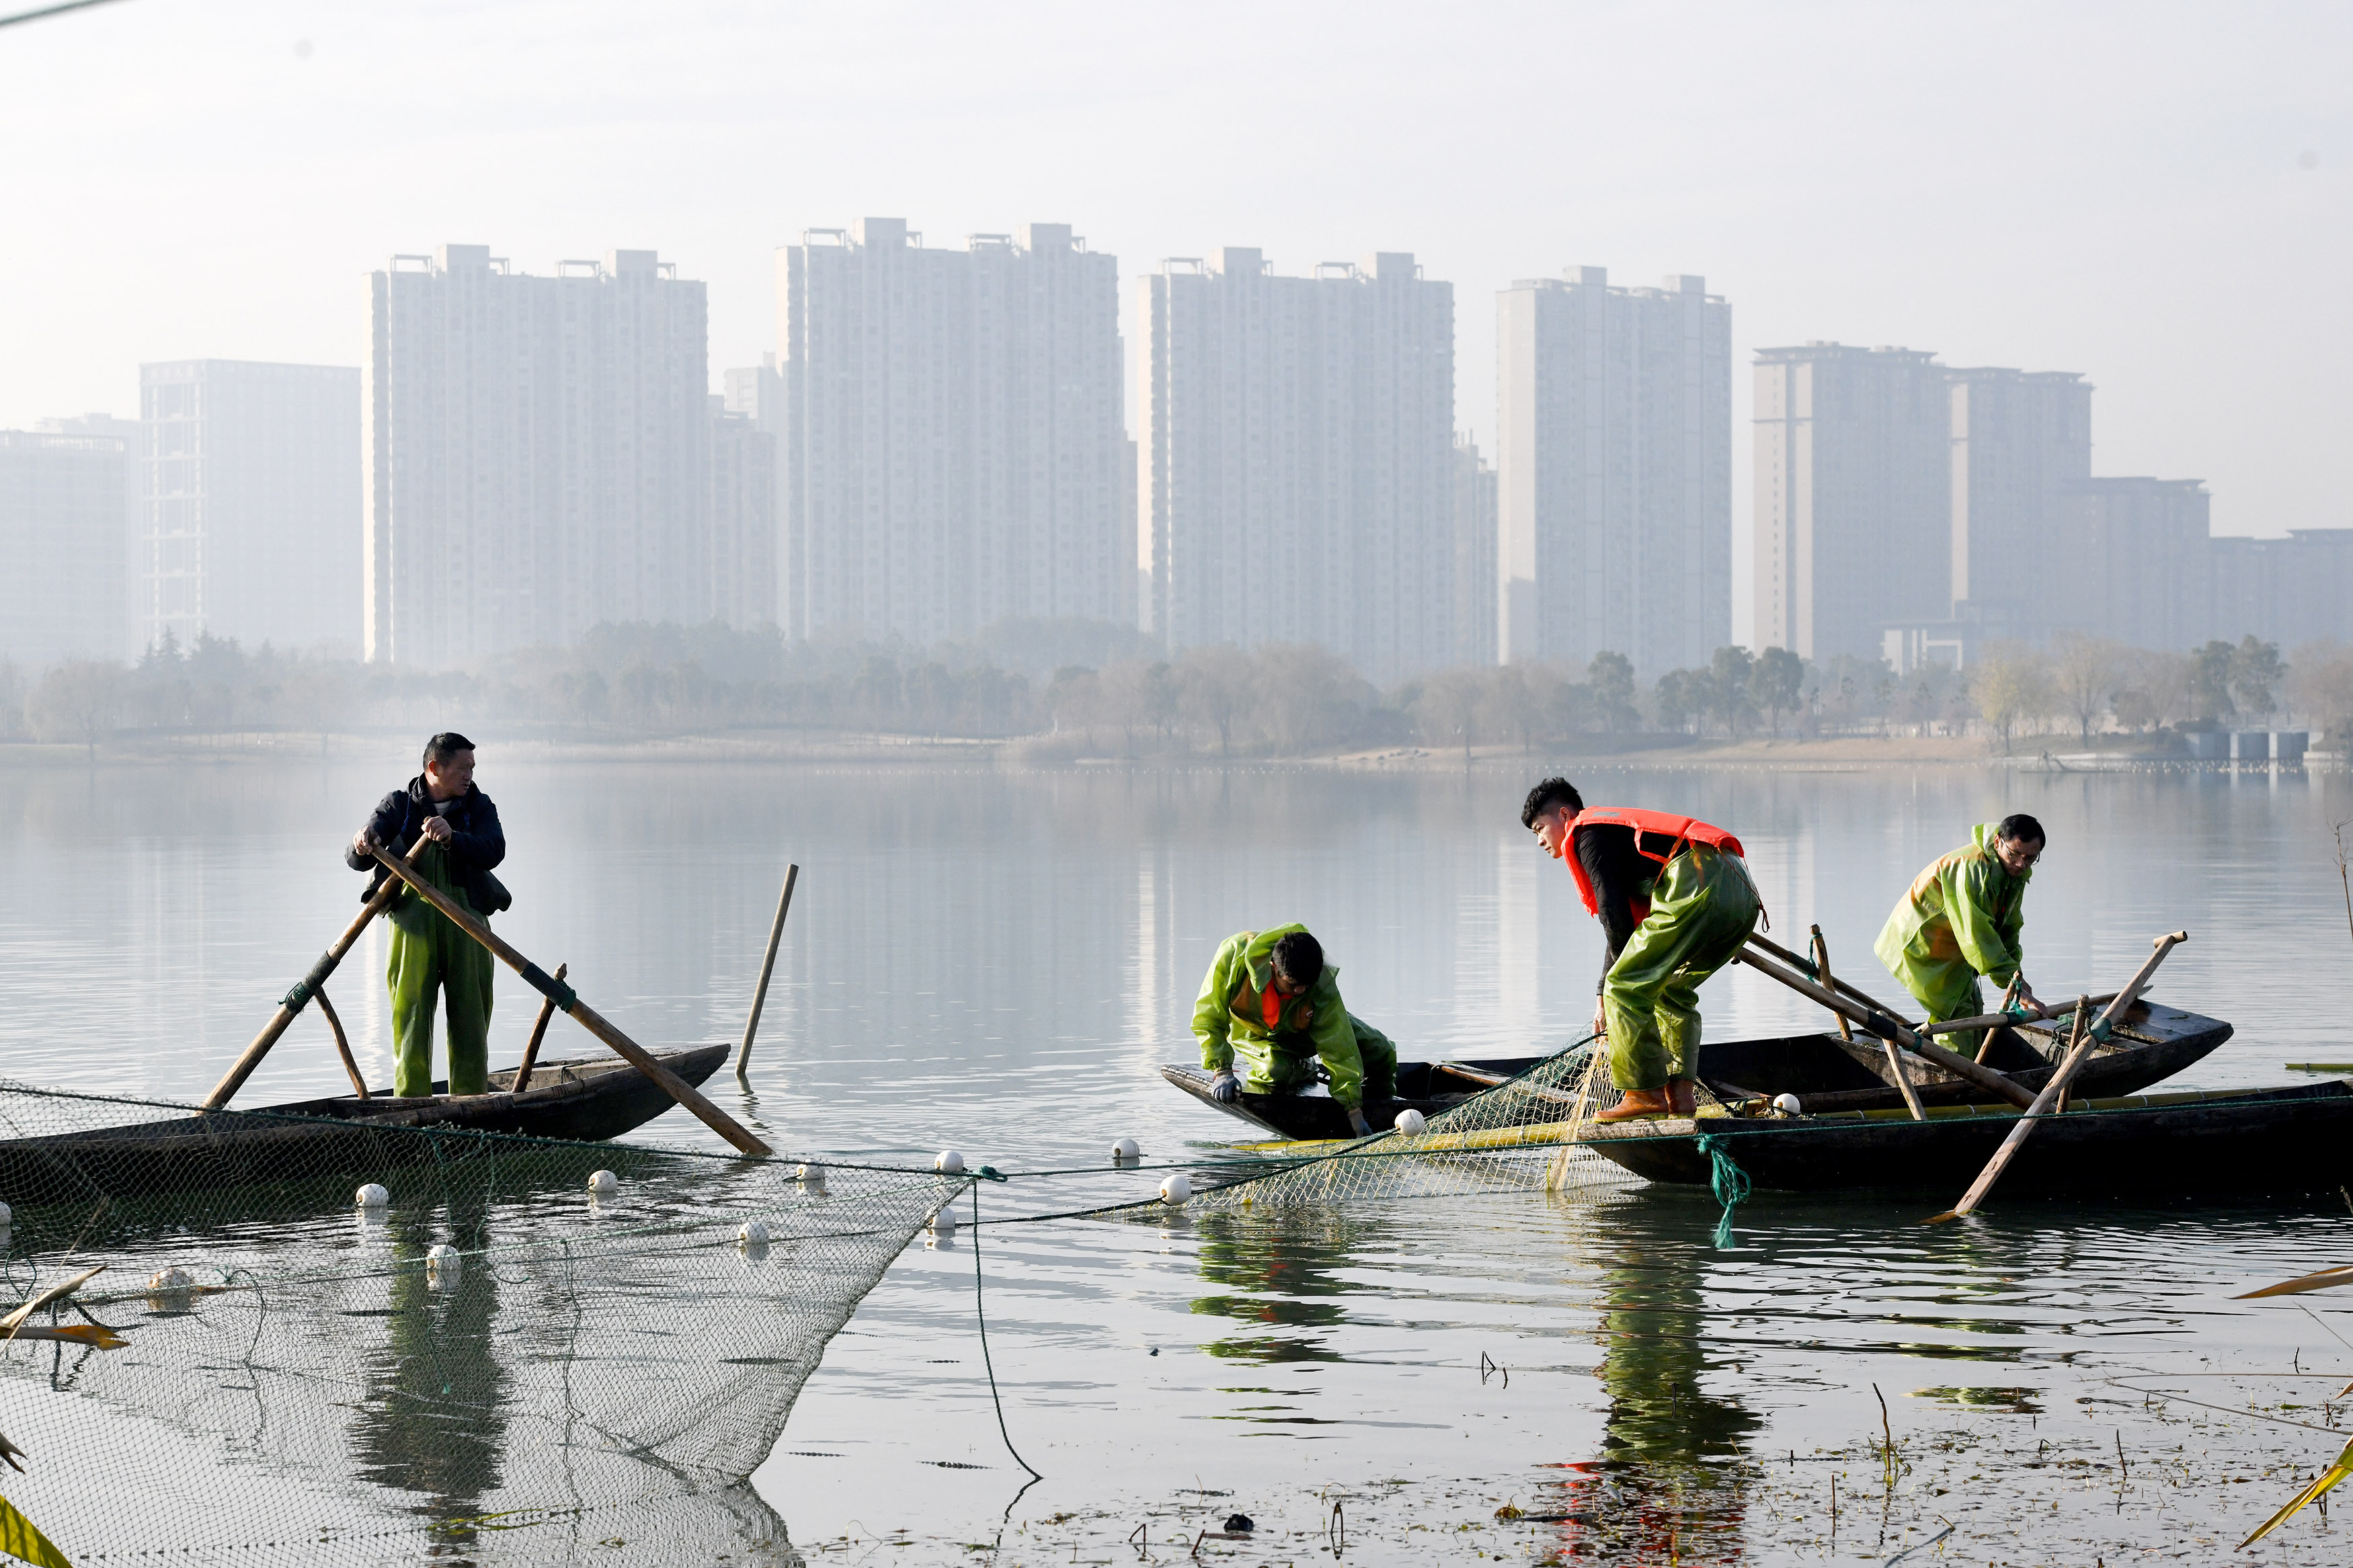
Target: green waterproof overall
{"x": 1703, "y": 907}
{"x": 1960, "y": 919}
{"x": 1278, "y": 1056}
{"x": 429, "y": 954}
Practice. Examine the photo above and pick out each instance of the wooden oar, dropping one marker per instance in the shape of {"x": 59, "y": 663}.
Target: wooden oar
{"x": 343, "y": 1045}
{"x": 1875, "y": 1022}
{"x": 2078, "y": 1051}
{"x": 1998, "y": 1020}
{"x": 308, "y": 986}
{"x": 538, "y": 1033}
{"x": 767, "y": 965}
{"x": 1823, "y": 972}
{"x": 538, "y": 979}
{"x": 1766, "y": 944}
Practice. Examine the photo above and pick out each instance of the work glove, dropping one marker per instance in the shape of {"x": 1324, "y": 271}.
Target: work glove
{"x": 1357, "y": 1126}
{"x": 1224, "y": 1090}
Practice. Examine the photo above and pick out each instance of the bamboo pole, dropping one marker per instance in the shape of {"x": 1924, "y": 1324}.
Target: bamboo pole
{"x": 767, "y": 966}
{"x": 589, "y": 1018}
{"x": 1875, "y": 1022}
{"x": 343, "y": 1045}
{"x": 2084, "y": 1037}
{"x": 308, "y": 986}
{"x": 1998, "y": 1020}
{"x": 538, "y": 1033}
{"x": 1803, "y": 966}
{"x": 1822, "y": 968}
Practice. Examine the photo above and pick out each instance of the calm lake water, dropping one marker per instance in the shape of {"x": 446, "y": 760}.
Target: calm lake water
{"x": 998, "y": 961}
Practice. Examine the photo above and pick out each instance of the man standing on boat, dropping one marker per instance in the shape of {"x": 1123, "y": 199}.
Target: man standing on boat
{"x": 1270, "y": 1005}
{"x": 429, "y": 953}
{"x": 1675, "y": 904}
{"x": 1960, "y": 919}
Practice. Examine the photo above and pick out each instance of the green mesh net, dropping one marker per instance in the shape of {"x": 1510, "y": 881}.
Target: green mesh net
{"x": 1523, "y": 1133}
{"x": 494, "y": 1359}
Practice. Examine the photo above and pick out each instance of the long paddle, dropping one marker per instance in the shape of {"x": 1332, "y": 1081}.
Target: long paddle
{"x": 538, "y": 1033}
{"x": 556, "y": 991}
{"x": 767, "y": 965}
{"x": 1875, "y": 1022}
{"x": 2080, "y": 1050}
{"x": 307, "y": 987}
{"x": 1998, "y": 1020}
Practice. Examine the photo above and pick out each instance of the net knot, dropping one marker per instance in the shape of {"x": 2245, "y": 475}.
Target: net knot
{"x": 990, "y": 1173}
{"x": 1727, "y": 1180}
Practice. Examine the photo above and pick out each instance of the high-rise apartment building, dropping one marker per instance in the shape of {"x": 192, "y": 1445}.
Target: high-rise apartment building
{"x": 536, "y": 451}
{"x": 248, "y": 524}
{"x": 64, "y": 529}
{"x": 2018, "y": 439}
{"x": 2121, "y": 558}
{"x": 1476, "y": 585}
{"x": 1853, "y": 496}
{"x": 1295, "y": 476}
{"x": 953, "y": 440}
{"x": 1614, "y": 458}
{"x": 2290, "y": 591}
{"x": 743, "y": 534}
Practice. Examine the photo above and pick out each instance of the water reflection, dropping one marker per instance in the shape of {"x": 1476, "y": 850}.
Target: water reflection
{"x": 431, "y": 1422}
{"x": 1668, "y": 1484}
{"x": 1282, "y": 1277}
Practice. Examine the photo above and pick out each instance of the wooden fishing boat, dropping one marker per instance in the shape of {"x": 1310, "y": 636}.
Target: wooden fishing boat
{"x": 586, "y": 1101}
{"x": 2235, "y": 1142}
{"x": 2151, "y": 1043}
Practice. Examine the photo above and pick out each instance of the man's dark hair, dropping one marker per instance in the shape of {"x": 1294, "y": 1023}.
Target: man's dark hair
{"x": 2019, "y": 828}
{"x": 444, "y": 746}
{"x": 1547, "y": 795}
{"x": 1299, "y": 959}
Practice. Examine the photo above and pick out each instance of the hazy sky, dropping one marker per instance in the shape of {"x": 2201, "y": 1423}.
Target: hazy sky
{"x": 2154, "y": 195}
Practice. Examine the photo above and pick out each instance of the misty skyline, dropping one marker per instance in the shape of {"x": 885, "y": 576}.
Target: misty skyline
{"x": 2119, "y": 192}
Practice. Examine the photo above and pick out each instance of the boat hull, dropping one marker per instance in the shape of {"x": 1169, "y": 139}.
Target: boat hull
{"x": 343, "y": 1136}
{"x": 2253, "y": 1142}
{"x": 1825, "y": 1072}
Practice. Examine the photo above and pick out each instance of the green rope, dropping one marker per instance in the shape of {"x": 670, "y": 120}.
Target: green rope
{"x": 1729, "y": 1182}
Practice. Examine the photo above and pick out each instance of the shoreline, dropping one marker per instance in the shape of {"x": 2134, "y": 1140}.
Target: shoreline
{"x": 777, "y": 747}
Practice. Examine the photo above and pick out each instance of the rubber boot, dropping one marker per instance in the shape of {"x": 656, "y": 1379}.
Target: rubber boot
{"x": 1682, "y": 1095}
{"x": 1638, "y": 1103}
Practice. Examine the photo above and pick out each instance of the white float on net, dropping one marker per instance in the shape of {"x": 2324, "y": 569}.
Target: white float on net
{"x": 1412, "y": 1123}
{"x": 949, "y": 1162}
{"x": 604, "y": 1184}
{"x": 1176, "y": 1189}
{"x": 372, "y": 1195}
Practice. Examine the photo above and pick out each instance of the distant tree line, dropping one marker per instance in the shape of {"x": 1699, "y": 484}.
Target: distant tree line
{"x": 1078, "y": 689}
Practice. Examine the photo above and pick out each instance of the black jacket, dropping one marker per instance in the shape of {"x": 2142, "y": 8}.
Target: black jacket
{"x": 477, "y": 842}
{"x": 1619, "y": 874}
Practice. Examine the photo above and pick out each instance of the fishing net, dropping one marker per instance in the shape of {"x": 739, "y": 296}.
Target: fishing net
{"x": 497, "y": 1365}
{"x": 1524, "y": 1132}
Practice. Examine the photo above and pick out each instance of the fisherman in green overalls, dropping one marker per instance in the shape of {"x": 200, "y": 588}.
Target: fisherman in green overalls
{"x": 1271, "y": 1003}
{"x": 1960, "y": 919}
{"x": 429, "y": 954}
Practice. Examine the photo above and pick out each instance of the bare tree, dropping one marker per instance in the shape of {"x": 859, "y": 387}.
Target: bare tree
{"x": 1214, "y": 688}
{"x": 79, "y": 701}
{"x": 2012, "y": 684}
{"x": 2084, "y": 670}
{"x": 1449, "y": 707}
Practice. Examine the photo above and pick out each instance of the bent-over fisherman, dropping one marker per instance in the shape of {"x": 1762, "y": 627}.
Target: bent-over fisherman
{"x": 1960, "y": 919}
{"x": 1270, "y": 1006}
{"x": 429, "y": 953}
{"x": 1674, "y": 900}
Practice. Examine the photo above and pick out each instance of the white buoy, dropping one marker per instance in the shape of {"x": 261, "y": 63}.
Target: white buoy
{"x": 752, "y": 1236}
{"x": 943, "y": 1223}
{"x": 1788, "y": 1105}
{"x": 174, "y": 1278}
{"x": 1412, "y": 1123}
{"x": 949, "y": 1164}
{"x": 1176, "y": 1189}
{"x": 372, "y": 1195}
{"x": 812, "y": 1174}
{"x": 604, "y": 1184}
{"x": 8, "y": 1216}
{"x": 443, "y": 1262}
{"x": 1125, "y": 1149}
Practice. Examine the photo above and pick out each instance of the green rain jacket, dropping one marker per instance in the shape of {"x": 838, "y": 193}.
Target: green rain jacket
{"x": 1231, "y": 1015}
{"x": 1960, "y": 919}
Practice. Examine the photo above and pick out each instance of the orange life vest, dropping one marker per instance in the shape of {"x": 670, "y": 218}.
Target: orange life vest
{"x": 1683, "y": 830}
